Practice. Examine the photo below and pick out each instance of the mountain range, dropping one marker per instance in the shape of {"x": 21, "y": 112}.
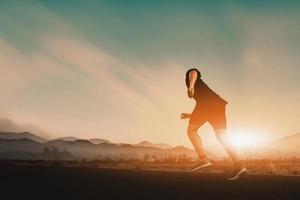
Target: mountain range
{"x": 21, "y": 135}
{"x": 28, "y": 145}
{"x": 12, "y": 145}
{"x": 286, "y": 147}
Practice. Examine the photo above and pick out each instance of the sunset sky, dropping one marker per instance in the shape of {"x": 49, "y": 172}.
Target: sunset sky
{"x": 115, "y": 69}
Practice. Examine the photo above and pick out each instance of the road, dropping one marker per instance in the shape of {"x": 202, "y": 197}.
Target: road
{"x": 37, "y": 182}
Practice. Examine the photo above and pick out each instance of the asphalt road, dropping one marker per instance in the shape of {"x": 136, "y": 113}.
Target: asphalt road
{"x": 37, "y": 182}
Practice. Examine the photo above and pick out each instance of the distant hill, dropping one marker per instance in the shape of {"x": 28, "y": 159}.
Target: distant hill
{"x": 85, "y": 149}
{"x": 286, "y": 147}
{"x": 20, "y": 145}
{"x": 149, "y": 144}
{"x": 73, "y": 139}
{"x": 291, "y": 142}
{"x": 10, "y": 126}
{"x": 99, "y": 141}
{"x": 29, "y": 145}
{"x": 68, "y": 138}
{"x": 21, "y": 135}
{"x": 26, "y": 149}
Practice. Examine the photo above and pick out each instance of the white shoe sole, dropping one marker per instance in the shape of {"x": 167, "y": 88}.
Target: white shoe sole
{"x": 201, "y": 166}
{"x": 244, "y": 170}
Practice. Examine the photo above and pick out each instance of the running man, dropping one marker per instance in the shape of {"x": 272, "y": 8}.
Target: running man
{"x": 210, "y": 107}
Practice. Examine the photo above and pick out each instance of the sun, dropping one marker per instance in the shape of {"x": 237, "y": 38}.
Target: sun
{"x": 246, "y": 138}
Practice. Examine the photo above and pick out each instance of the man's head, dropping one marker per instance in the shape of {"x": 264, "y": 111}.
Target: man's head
{"x": 187, "y": 81}
{"x": 198, "y": 72}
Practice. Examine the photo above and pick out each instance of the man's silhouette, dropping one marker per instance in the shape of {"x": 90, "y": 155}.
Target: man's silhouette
{"x": 210, "y": 107}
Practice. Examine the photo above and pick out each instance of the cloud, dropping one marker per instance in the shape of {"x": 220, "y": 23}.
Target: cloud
{"x": 92, "y": 61}
{"x": 142, "y": 99}
{"x": 22, "y": 69}
{"x": 134, "y": 82}
{"x": 106, "y": 90}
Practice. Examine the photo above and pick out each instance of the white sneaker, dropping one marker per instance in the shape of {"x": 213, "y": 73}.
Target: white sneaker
{"x": 237, "y": 172}
{"x": 201, "y": 163}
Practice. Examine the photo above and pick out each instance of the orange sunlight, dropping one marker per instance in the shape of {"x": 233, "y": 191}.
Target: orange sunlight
{"x": 246, "y": 138}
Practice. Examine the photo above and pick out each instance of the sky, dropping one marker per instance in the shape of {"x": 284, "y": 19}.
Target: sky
{"x": 115, "y": 69}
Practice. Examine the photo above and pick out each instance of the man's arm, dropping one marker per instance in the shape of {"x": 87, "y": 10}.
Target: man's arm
{"x": 192, "y": 80}
{"x": 185, "y": 115}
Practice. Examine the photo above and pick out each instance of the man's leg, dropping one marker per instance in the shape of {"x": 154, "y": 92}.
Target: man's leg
{"x": 239, "y": 169}
{"x": 195, "y": 139}
{"x": 223, "y": 139}
{"x": 219, "y": 124}
{"x": 203, "y": 161}
{"x": 218, "y": 121}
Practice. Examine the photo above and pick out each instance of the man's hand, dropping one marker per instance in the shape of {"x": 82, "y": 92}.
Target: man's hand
{"x": 191, "y": 92}
{"x": 184, "y": 115}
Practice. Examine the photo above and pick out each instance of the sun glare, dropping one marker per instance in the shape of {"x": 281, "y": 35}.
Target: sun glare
{"x": 246, "y": 139}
